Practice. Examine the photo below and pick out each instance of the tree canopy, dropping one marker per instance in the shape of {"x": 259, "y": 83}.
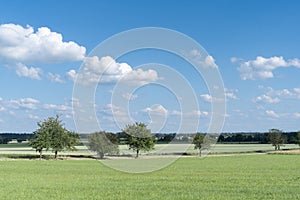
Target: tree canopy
{"x": 52, "y": 134}
{"x": 138, "y": 138}
{"x": 276, "y": 138}
{"x": 201, "y": 142}
{"x": 103, "y": 143}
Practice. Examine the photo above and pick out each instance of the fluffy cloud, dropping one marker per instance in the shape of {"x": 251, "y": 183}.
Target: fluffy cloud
{"x": 156, "y": 110}
{"x": 176, "y": 113}
{"x": 57, "y": 107}
{"x": 27, "y": 103}
{"x": 206, "y": 97}
{"x": 35, "y": 117}
{"x": 285, "y": 93}
{"x": 198, "y": 113}
{"x": 197, "y": 57}
{"x": 272, "y": 113}
{"x": 54, "y": 78}
{"x": 210, "y": 62}
{"x": 262, "y": 68}
{"x": 266, "y": 99}
{"x": 23, "y": 44}
{"x": 129, "y": 96}
{"x": 110, "y": 71}
{"x": 274, "y": 96}
{"x": 297, "y": 115}
{"x": 23, "y": 71}
{"x": 71, "y": 74}
{"x": 230, "y": 93}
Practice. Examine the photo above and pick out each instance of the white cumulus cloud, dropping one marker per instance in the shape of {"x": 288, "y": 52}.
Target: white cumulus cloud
{"x": 262, "y": 68}
{"x": 25, "y": 45}
{"x": 107, "y": 70}
{"x": 35, "y": 117}
{"x": 156, "y": 110}
{"x": 72, "y": 74}
{"x": 272, "y": 113}
{"x": 57, "y": 107}
{"x": 206, "y": 97}
{"x": 27, "y": 103}
{"x": 32, "y": 72}
{"x": 266, "y": 99}
{"x": 206, "y": 61}
{"x": 55, "y": 78}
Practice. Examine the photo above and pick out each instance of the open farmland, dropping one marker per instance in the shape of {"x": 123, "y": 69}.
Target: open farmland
{"x": 234, "y": 177}
{"x": 160, "y": 149}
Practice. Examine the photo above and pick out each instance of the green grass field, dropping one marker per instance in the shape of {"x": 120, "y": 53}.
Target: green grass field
{"x": 233, "y": 177}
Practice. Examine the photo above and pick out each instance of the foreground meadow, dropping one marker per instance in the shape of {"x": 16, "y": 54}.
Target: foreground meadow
{"x": 233, "y": 177}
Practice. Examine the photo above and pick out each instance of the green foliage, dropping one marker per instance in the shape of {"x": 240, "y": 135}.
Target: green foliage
{"x": 197, "y": 141}
{"x": 230, "y": 177}
{"x": 4, "y": 140}
{"x": 276, "y": 138}
{"x": 100, "y": 143}
{"x": 201, "y": 142}
{"x": 52, "y": 134}
{"x": 138, "y": 138}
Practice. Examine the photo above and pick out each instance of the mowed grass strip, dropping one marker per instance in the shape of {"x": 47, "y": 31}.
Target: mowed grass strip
{"x": 234, "y": 177}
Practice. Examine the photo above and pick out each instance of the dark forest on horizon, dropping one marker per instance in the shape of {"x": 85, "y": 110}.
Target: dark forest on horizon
{"x": 238, "y": 137}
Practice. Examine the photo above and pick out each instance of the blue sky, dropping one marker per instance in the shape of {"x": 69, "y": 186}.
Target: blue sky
{"x": 254, "y": 43}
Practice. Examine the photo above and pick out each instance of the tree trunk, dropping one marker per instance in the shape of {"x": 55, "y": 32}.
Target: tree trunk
{"x": 101, "y": 155}
{"x": 199, "y": 152}
{"x": 55, "y": 155}
{"x": 40, "y": 154}
{"x": 137, "y": 153}
{"x": 278, "y": 147}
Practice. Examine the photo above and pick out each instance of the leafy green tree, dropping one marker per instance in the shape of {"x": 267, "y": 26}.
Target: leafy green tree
{"x": 298, "y": 138}
{"x": 197, "y": 141}
{"x": 101, "y": 143}
{"x": 201, "y": 142}
{"x": 4, "y": 140}
{"x": 52, "y": 134}
{"x": 138, "y": 138}
{"x": 276, "y": 138}
{"x": 41, "y": 140}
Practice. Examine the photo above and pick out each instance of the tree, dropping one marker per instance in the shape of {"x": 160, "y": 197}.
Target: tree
{"x": 4, "y": 140}
{"x": 52, "y": 134}
{"x": 100, "y": 143}
{"x": 276, "y": 138}
{"x": 202, "y": 142}
{"x": 298, "y": 138}
{"x": 41, "y": 140}
{"x": 138, "y": 138}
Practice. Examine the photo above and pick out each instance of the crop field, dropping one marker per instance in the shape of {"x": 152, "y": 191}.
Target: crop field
{"x": 230, "y": 177}
{"x": 160, "y": 149}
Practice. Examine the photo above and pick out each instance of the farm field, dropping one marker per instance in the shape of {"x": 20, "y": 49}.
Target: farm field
{"x": 233, "y": 177}
{"x": 160, "y": 149}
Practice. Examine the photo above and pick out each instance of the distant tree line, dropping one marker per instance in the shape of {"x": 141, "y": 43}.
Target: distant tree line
{"x": 120, "y": 137}
{"x": 261, "y": 138}
{"x": 19, "y": 137}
